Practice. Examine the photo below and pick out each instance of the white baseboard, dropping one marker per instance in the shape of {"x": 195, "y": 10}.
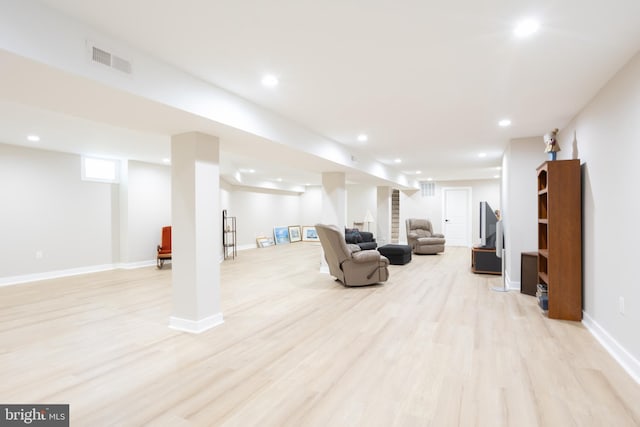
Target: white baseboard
{"x": 511, "y": 285}
{"x": 14, "y": 280}
{"x": 622, "y": 356}
{"x": 195, "y": 326}
{"x": 247, "y": 246}
{"x": 139, "y": 264}
{"x": 35, "y": 277}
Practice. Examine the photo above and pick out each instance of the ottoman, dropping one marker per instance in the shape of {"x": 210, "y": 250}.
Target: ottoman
{"x": 397, "y": 254}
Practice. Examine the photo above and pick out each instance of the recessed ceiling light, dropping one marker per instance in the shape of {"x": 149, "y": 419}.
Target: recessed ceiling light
{"x": 362, "y": 137}
{"x": 166, "y": 160}
{"x": 429, "y": 179}
{"x": 33, "y": 138}
{"x": 504, "y": 123}
{"x": 526, "y": 27}
{"x": 482, "y": 154}
{"x": 498, "y": 168}
{"x": 496, "y": 176}
{"x": 398, "y": 160}
{"x": 418, "y": 172}
{"x": 279, "y": 179}
{"x": 270, "y": 81}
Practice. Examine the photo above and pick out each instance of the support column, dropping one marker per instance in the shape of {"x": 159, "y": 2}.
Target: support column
{"x": 195, "y": 194}
{"x": 334, "y": 205}
{"x": 334, "y": 198}
{"x": 120, "y": 217}
{"x": 383, "y": 231}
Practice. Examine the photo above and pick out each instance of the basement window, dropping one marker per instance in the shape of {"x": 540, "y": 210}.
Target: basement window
{"x": 427, "y": 189}
{"x": 100, "y": 170}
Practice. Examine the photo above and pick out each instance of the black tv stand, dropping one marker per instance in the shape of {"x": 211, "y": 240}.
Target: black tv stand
{"x": 484, "y": 260}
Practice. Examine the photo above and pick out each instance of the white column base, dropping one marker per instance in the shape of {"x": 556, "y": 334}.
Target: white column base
{"x": 195, "y": 326}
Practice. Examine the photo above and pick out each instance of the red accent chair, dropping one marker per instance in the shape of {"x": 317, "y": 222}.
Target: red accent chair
{"x": 164, "y": 250}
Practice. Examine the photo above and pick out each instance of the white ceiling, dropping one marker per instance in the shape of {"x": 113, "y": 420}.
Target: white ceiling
{"x": 427, "y": 81}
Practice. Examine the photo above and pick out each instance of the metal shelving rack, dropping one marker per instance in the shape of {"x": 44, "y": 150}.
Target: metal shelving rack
{"x": 229, "y": 236}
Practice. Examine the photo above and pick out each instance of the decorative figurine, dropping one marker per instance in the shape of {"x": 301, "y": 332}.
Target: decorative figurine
{"x": 552, "y": 146}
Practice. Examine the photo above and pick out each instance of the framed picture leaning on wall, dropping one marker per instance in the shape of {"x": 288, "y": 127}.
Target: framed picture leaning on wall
{"x": 264, "y": 242}
{"x": 295, "y": 235}
{"x": 309, "y": 234}
{"x": 281, "y": 235}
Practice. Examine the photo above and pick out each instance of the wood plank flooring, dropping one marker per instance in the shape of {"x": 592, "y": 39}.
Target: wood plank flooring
{"x": 433, "y": 346}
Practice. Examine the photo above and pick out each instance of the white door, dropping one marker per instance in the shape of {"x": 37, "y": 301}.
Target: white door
{"x": 456, "y": 208}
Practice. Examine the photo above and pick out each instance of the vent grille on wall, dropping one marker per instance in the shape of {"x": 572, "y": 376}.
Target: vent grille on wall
{"x": 103, "y": 57}
{"x": 428, "y": 188}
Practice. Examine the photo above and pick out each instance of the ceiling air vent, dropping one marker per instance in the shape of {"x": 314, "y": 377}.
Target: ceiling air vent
{"x": 121, "y": 64}
{"x": 103, "y": 57}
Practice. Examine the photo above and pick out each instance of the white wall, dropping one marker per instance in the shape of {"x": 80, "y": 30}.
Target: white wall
{"x": 606, "y": 138}
{"x": 311, "y": 205}
{"x": 361, "y": 198}
{"x": 520, "y": 202}
{"x": 414, "y": 205}
{"x": 149, "y": 209}
{"x": 47, "y": 208}
{"x": 257, "y": 211}
{"x": 79, "y": 224}
{"x": 76, "y": 225}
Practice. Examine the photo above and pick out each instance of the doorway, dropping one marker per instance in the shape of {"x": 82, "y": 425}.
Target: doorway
{"x": 456, "y": 215}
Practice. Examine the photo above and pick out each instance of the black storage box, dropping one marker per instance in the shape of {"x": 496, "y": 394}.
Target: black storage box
{"x": 397, "y": 254}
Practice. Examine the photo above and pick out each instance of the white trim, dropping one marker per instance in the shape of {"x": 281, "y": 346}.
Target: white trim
{"x": 619, "y": 353}
{"x": 138, "y": 264}
{"x": 14, "y": 280}
{"x": 247, "y": 246}
{"x": 511, "y": 285}
{"x": 195, "y": 326}
{"x": 56, "y": 274}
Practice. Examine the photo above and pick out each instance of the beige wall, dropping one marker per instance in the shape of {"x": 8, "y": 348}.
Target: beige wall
{"x": 414, "y": 205}
{"x": 361, "y": 198}
{"x": 149, "y": 209}
{"x": 606, "y": 138}
{"x": 51, "y": 220}
{"x": 55, "y": 223}
{"x": 519, "y": 214}
{"x": 258, "y": 211}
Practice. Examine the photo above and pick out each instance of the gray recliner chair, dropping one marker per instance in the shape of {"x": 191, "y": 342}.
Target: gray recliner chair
{"x": 421, "y": 237}
{"x": 348, "y": 263}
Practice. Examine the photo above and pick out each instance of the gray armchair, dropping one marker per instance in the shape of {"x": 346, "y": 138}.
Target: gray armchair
{"x": 348, "y": 263}
{"x": 421, "y": 237}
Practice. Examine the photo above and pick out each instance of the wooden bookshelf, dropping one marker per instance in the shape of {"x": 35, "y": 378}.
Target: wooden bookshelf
{"x": 560, "y": 237}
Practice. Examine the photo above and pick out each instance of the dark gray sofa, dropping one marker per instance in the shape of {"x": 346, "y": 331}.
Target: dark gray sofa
{"x": 364, "y": 239}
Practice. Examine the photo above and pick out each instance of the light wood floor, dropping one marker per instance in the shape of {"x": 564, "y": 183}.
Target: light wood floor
{"x": 433, "y": 346}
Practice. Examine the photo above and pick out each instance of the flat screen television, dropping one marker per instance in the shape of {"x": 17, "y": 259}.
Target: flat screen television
{"x": 488, "y": 226}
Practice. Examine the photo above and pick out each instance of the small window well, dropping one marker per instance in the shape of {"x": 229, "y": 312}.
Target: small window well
{"x": 100, "y": 170}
